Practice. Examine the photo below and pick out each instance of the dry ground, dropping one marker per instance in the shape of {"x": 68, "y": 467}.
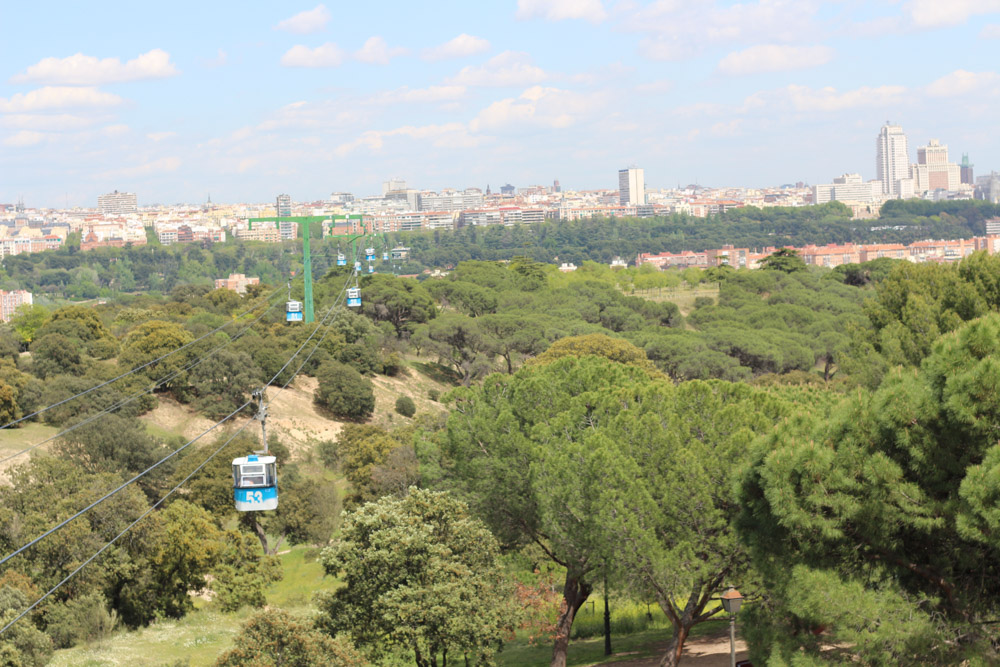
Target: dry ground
{"x": 711, "y": 651}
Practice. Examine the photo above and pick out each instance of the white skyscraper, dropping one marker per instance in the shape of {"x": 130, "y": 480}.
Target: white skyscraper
{"x": 631, "y": 186}
{"x": 283, "y": 206}
{"x": 892, "y": 161}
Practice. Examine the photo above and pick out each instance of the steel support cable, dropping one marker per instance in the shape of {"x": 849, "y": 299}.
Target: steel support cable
{"x": 138, "y": 368}
{"x": 159, "y": 383}
{"x": 189, "y": 443}
{"x": 179, "y": 484}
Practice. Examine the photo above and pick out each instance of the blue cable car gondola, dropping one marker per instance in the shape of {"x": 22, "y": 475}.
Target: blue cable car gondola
{"x": 385, "y": 256}
{"x": 341, "y": 259}
{"x": 353, "y": 297}
{"x": 293, "y": 311}
{"x": 255, "y": 483}
{"x": 370, "y": 254}
{"x": 371, "y": 268}
{"x": 357, "y": 266}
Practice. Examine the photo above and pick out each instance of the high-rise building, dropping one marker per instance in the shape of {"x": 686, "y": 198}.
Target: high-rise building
{"x": 932, "y": 170}
{"x": 965, "y": 176}
{"x": 283, "y": 206}
{"x": 892, "y": 162}
{"x": 117, "y": 203}
{"x": 631, "y": 186}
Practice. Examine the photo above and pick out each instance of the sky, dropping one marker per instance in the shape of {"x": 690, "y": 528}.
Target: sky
{"x": 243, "y": 100}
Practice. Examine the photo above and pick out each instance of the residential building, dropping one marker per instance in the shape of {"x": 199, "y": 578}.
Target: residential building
{"x": 117, "y": 203}
{"x": 892, "y": 162}
{"x": 236, "y": 282}
{"x": 451, "y": 200}
{"x": 966, "y": 176}
{"x": 393, "y": 184}
{"x": 11, "y": 301}
{"x": 283, "y": 206}
{"x": 631, "y": 186}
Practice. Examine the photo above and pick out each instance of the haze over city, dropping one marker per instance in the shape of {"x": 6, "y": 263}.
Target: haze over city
{"x": 242, "y": 101}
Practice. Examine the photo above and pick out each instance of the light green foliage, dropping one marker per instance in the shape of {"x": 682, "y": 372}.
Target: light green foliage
{"x": 458, "y": 340}
{"x": 421, "y": 574}
{"x": 28, "y": 320}
{"x": 154, "y": 339}
{"x": 361, "y": 447}
{"x": 599, "y": 345}
{"x": 890, "y": 504}
{"x": 223, "y": 382}
{"x": 516, "y": 447}
{"x": 272, "y": 638}
{"x": 23, "y": 645}
{"x": 241, "y": 574}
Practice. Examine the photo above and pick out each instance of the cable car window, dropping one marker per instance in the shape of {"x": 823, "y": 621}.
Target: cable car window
{"x": 250, "y": 469}
{"x": 253, "y": 480}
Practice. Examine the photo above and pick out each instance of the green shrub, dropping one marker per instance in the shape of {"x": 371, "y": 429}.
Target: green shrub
{"x": 433, "y": 394}
{"x": 328, "y": 454}
{"x": 344, "y": 391}
{"x": 405, "y": 406}
{"x": 393, "y": 365}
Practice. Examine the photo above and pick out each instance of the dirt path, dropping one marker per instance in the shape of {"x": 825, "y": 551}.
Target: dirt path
{"x": 711, "y": 651}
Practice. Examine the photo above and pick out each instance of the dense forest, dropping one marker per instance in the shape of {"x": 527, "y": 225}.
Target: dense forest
{"x": 825, "y": 440}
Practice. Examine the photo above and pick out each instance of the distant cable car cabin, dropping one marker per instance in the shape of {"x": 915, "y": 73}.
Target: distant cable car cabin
{"x": 255, "y": 483}
{"x": 293, "y": 311}
{"x": 357, "y": 266}
{"x": 385, "y": 256}
{"x": 371, "y": 268}
{"x": 341, "y": 259}
{"x": 353, "y": 297}
{"x": 370, "y": 254}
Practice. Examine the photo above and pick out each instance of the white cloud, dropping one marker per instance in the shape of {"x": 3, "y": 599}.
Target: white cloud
{"x": 678, "y": 30}
{"x": 961, "y": 82}
{"x": 306, "y": 22}
{"x": 803, "y": 98}
{"x": 655, "y": 87}
{"x": 991, "y": 31}
{"x": 448, "y": 135}
{"x": 510, "y": 68}
{"x": 537, "y": 106}
{"x": 377, "y": 52}
{"x": 327, "y": 55}
{"x": 24, "y": 138}
{"x": 558, "y": 10}
{"x": 56, "y": 122}
{"x": 57, "y": 97}
{"x": 938, "y": 13}
{"x": 161, "y": 166}
{"x": 774, "y": 58}
{"x": 459, "y": 47}
{"x": 221, "y": 58}
{"x": 415, "y": 95}
{"x": 160, "y": 136}
{"x": 81, "y": 70}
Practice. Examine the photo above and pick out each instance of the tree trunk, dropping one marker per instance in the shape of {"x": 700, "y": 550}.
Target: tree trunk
{"x": 672, "y": 657}
{"x": 575, "y": 593}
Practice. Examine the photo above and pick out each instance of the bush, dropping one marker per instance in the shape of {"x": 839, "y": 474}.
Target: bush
{"x": 344, "y": 391}
{"x": 433, "y": 394}
{"x": 328, "y": 454}
{"x": 405, "y": 406}
{"x": 393, "y": 365}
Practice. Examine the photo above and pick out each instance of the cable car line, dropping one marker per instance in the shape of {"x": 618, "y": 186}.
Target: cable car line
{"x": 134, "y": 370}
{"x": 180, "y": 449}
{"x": 183, "y": 481}
{"x": 159, "y": 383}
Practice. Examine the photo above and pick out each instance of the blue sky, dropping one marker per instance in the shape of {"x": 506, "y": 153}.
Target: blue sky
{"x": 246, "y": 100}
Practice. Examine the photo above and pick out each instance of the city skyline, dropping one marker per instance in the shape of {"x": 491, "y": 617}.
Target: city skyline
{"x": 246, "y": 101}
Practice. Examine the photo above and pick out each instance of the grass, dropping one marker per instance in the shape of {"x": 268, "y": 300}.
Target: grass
{"x": 437, "y": 372}
{"x": 645, "y": 644}
{"x": 203, "y": 634}
{"x": 15, "y": 439}
{"x": 684, "y": 297}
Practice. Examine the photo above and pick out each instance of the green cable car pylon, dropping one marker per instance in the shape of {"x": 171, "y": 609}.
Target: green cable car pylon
{"x": 303, "y": 221}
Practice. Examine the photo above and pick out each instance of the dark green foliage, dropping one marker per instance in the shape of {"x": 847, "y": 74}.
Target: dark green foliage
{"x": 786, "y": 260}
{"x": 344, "y": 391}
{"x": 880, "y": 523}
{"x": 405, "y": 406}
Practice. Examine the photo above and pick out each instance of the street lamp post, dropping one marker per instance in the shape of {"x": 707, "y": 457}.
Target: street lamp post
{"x": 731, "y": 600}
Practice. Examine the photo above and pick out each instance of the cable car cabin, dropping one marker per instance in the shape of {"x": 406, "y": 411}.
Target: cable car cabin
{"x": 385, "y": 257}
{"x": 370, "y": 254}
{"x": 357, "y": 266}
{"x": 371, "y": 268}
{"x": 255, "y": 483}
{"x": 341, "y": 260}
{"x": 353, "y": 297}
{"x": 293, "y": 311}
